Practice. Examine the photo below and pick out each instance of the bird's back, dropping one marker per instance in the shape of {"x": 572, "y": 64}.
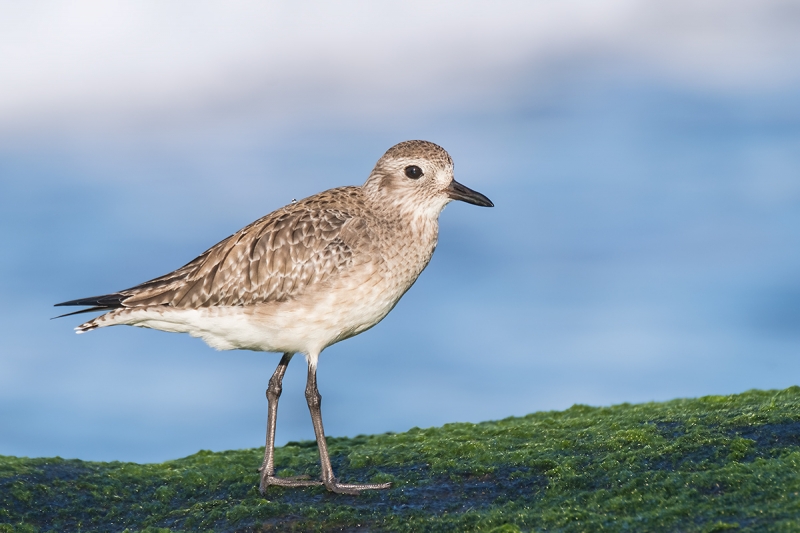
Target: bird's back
{"x": 275, "y": 258}
{"x": 332, "y": 249}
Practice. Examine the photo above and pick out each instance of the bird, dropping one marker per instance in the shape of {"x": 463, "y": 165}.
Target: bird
{"x": 308, "y": 275}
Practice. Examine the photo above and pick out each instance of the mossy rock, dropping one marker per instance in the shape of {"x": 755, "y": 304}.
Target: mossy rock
{"x": 718, "y": 463}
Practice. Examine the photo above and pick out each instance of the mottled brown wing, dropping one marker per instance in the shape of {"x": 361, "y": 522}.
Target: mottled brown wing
{"x": 273, "y": 259}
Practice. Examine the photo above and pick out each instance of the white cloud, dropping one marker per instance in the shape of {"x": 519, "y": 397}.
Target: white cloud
{"x": 101, "y": 63}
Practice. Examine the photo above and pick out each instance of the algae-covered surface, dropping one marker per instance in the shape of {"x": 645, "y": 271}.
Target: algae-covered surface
{"x": 718, "y": 463}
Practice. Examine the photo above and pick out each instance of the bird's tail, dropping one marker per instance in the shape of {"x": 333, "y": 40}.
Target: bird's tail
{"x": 106, "y": 302}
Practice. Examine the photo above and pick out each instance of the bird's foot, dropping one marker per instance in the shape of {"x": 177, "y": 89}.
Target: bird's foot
{"x": 354, "y": 488}
{"x": 332, "y": 485}
{"x": 292, "y": 481}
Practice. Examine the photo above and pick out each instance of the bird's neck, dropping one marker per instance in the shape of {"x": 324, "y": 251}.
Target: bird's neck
{"x": 422, "y": 229}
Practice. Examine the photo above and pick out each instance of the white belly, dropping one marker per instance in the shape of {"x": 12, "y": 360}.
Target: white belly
{"x": 306, "y": 325}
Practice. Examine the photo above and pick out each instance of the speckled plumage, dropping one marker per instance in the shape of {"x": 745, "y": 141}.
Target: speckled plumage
{"x": 336, "y": 262}
{"x": 308, "y": 275}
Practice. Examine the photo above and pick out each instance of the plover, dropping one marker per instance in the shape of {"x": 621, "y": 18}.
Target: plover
{"x": 311, "y": 274}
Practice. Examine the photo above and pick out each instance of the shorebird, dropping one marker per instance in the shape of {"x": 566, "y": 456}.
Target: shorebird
{"x": 304, "y": 277}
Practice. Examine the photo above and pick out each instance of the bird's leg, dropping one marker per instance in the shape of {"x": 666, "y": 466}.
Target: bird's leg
{"x": 273, "y": 395}
{"x": 268, "y": 466}
{"x": 314, "y": 400}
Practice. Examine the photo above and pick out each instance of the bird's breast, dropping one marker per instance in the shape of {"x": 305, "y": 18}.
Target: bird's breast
{"x": 383, "y": 268}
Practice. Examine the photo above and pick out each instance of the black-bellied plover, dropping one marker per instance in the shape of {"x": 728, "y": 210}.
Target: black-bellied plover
{"x": 304, "y": 277}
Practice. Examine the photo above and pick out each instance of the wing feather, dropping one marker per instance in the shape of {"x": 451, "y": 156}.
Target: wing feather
{"x": 273, "y": 259}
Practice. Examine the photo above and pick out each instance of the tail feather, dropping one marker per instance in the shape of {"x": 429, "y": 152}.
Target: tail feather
{"x": 106, "y": 302}
{"x": 88, "y": 326}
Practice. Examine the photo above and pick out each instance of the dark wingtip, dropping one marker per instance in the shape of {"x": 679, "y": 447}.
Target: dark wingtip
{"x": 90, "y": 310}
{"x": 104, "y": 301}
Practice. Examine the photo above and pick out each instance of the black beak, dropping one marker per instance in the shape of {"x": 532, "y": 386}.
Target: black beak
{"x": 456, "y": 191}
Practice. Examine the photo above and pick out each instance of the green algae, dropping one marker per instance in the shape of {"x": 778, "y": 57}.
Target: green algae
{"x": 718, "y": 463}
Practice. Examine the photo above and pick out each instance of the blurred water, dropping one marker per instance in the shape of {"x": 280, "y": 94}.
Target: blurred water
{"x": 644, "y": 246}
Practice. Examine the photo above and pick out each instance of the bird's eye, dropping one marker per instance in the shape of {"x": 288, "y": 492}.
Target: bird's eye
{"x": 413, "y": 172}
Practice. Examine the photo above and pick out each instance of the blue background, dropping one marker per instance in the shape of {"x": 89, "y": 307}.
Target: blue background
{"x": 644, "y": 160}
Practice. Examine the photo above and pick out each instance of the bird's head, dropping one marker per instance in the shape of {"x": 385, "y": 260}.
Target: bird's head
{"x": 417, "y": 176}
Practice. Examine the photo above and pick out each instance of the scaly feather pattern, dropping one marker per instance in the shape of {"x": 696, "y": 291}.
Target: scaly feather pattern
{"x": 271, "y": 260}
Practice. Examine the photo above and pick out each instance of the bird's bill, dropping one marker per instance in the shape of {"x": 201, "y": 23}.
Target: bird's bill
{"x": 456, "y": 191}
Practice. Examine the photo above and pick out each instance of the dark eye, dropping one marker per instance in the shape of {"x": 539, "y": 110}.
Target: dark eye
{"x": 413, "y": 172}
